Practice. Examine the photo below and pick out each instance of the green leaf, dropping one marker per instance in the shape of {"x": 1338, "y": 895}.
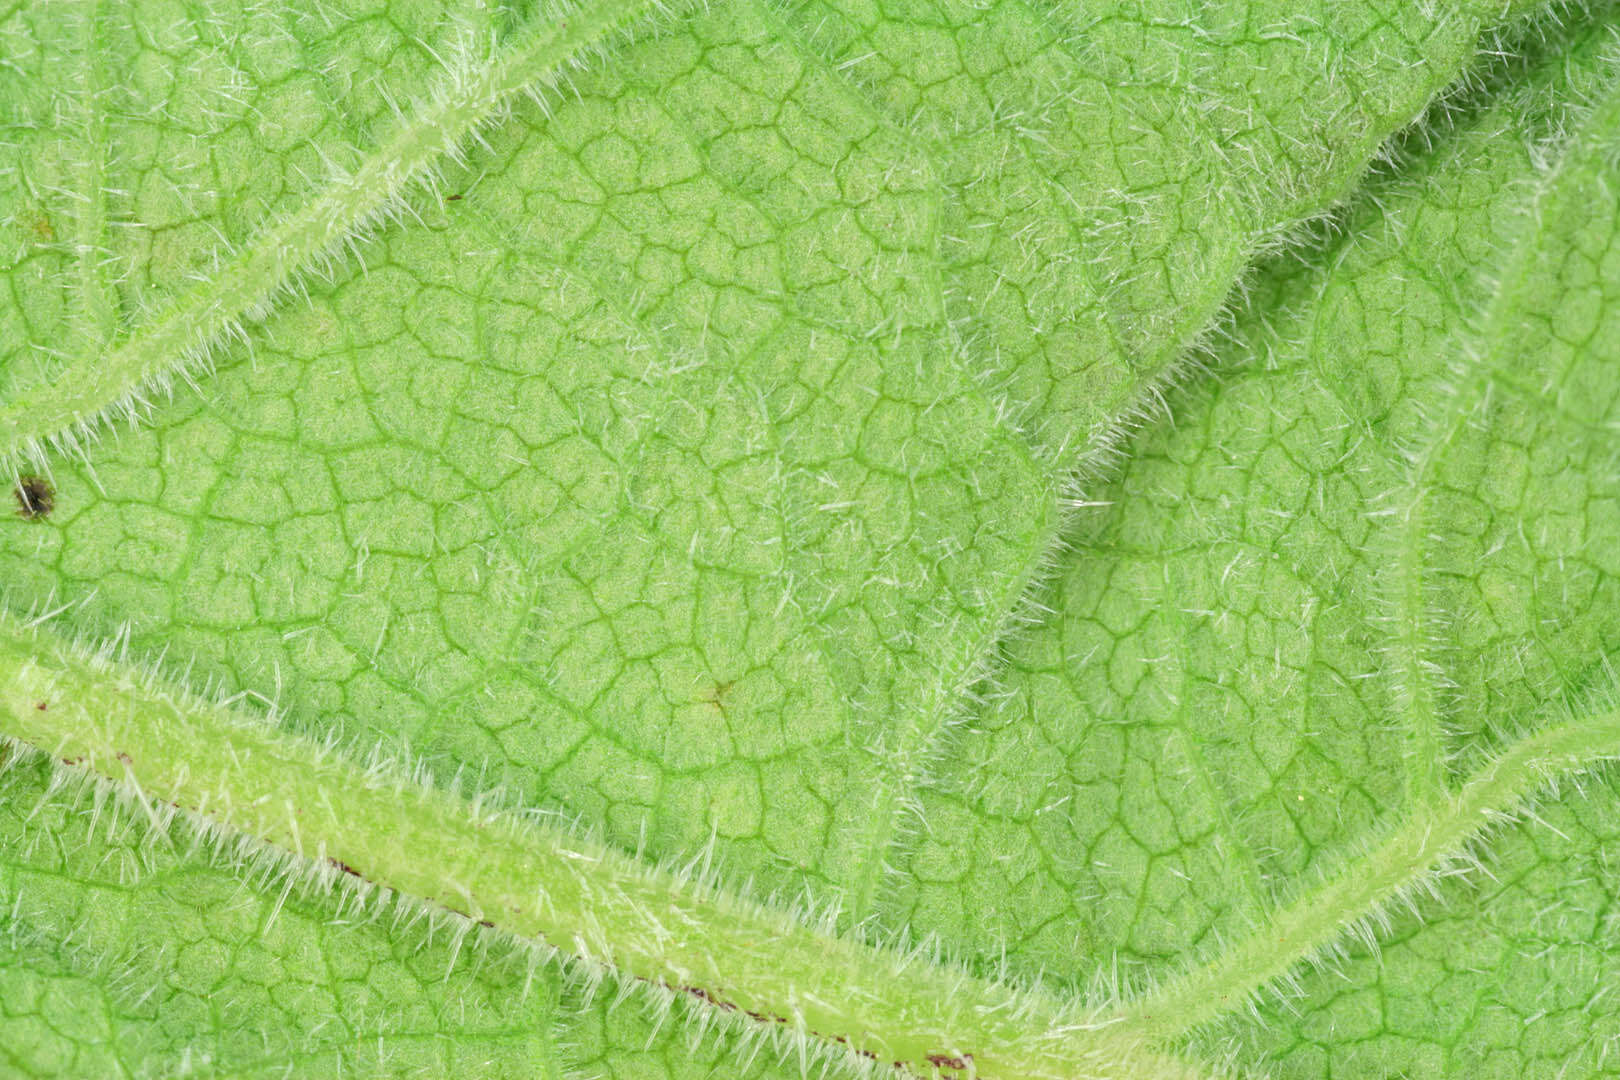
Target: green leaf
{"x": 662, "y": 416}
{"x": 1369, "y": 567}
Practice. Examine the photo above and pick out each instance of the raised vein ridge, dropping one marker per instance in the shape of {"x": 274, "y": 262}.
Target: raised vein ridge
{"x": 1175, "y": 354}
{"x": 677, "y": 933}
{"x": 97, "y": 299}
{"x": 247, "y": 283}
{"x": 1419, "y": 675}
{"x": 239, "y": 777}
{"x": 1409, "y": 859}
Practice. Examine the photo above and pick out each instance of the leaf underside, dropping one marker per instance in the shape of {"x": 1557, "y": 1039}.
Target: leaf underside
{"x": 673, "y": 418}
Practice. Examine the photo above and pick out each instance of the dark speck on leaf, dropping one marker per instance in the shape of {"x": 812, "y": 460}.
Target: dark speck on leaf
{"x": 453, "y": 198}
{"x": 35, "y": 497}
{"x": 717, "y": 695}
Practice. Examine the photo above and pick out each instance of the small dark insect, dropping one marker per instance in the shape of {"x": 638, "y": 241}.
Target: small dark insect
{"x": 452, "y": 198}
{"x": 35, "y": 497}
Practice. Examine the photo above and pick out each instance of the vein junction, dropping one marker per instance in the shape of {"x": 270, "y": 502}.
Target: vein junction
{"x": 617, "y": 916}
{"x": 1408, "y": 859}
{"x": 674, "y": 932}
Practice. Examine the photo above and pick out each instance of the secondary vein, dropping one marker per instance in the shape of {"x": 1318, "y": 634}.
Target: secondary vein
{"x": 1408, "y": 858}
{"x": 97, "y": 298}
{"x": 247, "y": 284}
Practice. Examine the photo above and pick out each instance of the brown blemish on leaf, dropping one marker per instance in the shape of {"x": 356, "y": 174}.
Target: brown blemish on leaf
{"x": 716, "y": 695}
{"x": 35, "y": 496}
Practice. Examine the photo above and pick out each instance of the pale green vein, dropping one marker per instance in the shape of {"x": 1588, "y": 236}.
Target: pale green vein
{"x": 1440, "y": 827}
{"x": 1416, "y": 673}
{"x": 905, "y": 759}
{"x": 1161, "y": 363}
{"x": 249, "y": 281}
{"x": 1405, "y": 860}
{"x": 614, "y": 914}
{"x": 97, "y": 298}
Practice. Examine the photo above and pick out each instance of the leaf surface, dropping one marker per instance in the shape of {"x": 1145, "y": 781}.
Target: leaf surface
{"x": 671, "y": 436}
{"x": 1371, "y": 556}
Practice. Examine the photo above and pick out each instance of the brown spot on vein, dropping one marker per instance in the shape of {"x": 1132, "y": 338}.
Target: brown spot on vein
{"x": 716, "y": 695}
{"x": 42, "y": 705}
{"x": 703, "y": 995}
{"x": 35, "y": 498}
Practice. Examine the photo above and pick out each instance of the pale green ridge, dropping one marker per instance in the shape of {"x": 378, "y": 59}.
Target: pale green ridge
{"x": 671, "y": 930}
{"x": 1502, "y": 975}
{"x": 596, "y": 477}
{"x": 676, "y": 931}
{"x": 1521, "y": 535}
{"x": 1060, "y": 285}
{"x": 1415, "y": 693}
{"x": 1420, "y": 679}
{"x": 1058, "y": 127}
{"x": 726, "y": 136}
{"x": 674, "y": 507}
{"x": 1402, "y": 863}
{"x": 97, "y": 300}
{"x": 904, "y": 735}
{"x": 1512, "y": 479}
{"x": 1058, "y": 141}
{"x": 216, "y": 122}
{"x": 1453, "y": 338}
{"x": 178, "y": 339}
{"x": 907, "y": 755}
{"x": 125, "y": 952}
{"x": 1234, "y": 594}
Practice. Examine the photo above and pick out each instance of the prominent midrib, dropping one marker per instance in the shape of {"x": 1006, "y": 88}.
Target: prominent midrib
{"x": 641, "y": 924}
{"x": 596, "y": 905}
{"x": 248, "y": 282}
{"x": 1437, "y": 830}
